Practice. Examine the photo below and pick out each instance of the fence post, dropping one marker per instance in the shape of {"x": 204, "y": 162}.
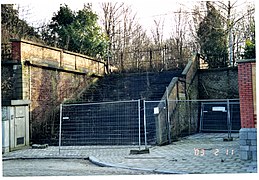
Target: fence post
{"x": 168, "y": 116}
{"x": 229, "y": 122}
{"x": 139, "y": 119}
{"x": 201, "y": 118}
{"x": 145, "y": 124}
{"x": 60, "y": 121}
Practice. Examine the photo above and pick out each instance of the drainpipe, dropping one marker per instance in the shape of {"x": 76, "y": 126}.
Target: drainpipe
{"x": 30, "y": 98}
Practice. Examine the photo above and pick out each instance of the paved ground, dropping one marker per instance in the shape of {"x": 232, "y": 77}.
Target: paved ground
{"x": 200, "y": 154}
{"x": 61, "y": 167}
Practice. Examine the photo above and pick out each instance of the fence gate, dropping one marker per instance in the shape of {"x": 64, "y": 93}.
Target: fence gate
{"x": 222, "y": 116}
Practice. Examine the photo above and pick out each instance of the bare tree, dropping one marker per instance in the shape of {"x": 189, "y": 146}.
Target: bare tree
{"x": 125, "y": 35}
{"x": 177, "y": 47}
{"x": 158, "y": 31}
{"x": 236, "y": 15}
{"x": 156, "y": 53}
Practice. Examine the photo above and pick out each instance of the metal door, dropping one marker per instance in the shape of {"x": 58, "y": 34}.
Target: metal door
{"x": 19, "y": 126}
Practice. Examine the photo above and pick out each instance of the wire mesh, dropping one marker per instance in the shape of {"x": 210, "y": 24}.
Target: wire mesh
{"x": 214, "y": 116}
{"x": 187, "y": 117}
{"x": 139, "y": 122}
{"x": 109, "y": 123}
{"x": 152, "y": 109}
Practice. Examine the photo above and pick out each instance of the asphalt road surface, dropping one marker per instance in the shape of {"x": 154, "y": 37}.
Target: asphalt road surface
{"x": 60, "y": 167}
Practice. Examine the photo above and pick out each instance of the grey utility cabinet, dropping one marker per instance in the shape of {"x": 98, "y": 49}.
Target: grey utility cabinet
{"x": 15, "y": 125}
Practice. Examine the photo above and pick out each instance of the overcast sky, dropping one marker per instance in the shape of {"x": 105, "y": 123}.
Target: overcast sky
{"x": 38, "y": 12}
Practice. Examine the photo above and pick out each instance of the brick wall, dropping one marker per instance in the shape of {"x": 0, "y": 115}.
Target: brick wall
{"x": 247, "y": 93}
{"x": 246, "y": 81}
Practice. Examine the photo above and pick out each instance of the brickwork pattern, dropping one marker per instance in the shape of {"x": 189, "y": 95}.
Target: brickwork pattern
{"x": 248, "y": 132}
{"x": 246, "y": 95}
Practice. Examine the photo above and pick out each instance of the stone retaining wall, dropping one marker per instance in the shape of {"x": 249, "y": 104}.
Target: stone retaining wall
{"x": 47, "y": 76}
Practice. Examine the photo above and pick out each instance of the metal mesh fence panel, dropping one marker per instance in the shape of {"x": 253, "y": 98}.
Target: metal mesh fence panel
{"x": 109, "y": 123}
{"x": 145, "y": 122}
{"x": 220, "y": 116}
{"x": 151, "y": 115}
{"x": 187, "y": 117}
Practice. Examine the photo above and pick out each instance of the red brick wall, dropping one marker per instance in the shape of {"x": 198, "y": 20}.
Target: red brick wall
{"x": 245, "y": 82}
{"x": 16, "y": 51}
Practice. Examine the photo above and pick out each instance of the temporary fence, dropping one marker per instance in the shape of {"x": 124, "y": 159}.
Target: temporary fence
{"x": 220, "y": 116}
{"x": 141, "y": 122}
{"x": 151, "y": 111}
{"x": 107, "y": 123}
{"x": 190, "y": 116}
{"x": 119, "y": 123}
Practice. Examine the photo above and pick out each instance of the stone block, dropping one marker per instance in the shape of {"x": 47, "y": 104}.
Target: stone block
{"x": 243, "y": 155}
{"x": 253, "y": 148}
{"x": 248, "y": 142}
{"x": 243, "y": 135}
{"x": 254, "y": 142}
{"x": 244, "y": 148}
{"x": 242, "y": 142}
{"x": 243, "y": 130}
{"x": 249, "y": 154}
{"x": 254, "y": 156}
{"x": 251, "y": 135}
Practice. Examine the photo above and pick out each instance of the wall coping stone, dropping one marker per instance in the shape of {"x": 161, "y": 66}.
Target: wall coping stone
{"x": 248, "y": 130}
{"x": 187, "y": 67}
{"x": 218, "y": 69}
{"x": 56, "y": 49}
{"x": 245, "y": 60}
{"x": 19, "y": 102}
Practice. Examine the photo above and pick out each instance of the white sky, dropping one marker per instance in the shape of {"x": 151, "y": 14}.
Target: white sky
{"x": 42, "y": 11}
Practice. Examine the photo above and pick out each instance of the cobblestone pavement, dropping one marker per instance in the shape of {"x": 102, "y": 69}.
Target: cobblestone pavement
{"x": 203, "y": 153}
